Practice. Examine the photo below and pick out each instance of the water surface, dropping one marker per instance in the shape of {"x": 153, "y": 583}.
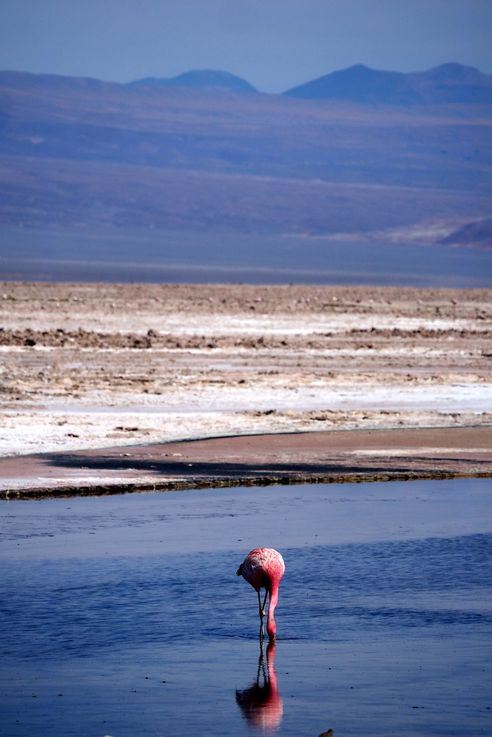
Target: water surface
{"x": 123, "y": 615}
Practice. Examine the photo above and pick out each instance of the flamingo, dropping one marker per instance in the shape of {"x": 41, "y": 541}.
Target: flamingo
{"x": 263, "y": 568}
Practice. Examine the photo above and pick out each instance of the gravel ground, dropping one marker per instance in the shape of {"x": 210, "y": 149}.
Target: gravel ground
{"x": 105, "y": 365}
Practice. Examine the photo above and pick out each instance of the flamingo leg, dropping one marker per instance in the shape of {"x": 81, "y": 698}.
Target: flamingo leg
{"x": 264, "y": 603}
{"x": 260, "y": 608}
{"x": 261, "y": 612}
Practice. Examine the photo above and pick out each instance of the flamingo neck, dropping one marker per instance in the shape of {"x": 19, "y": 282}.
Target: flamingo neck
{"x": 271, "y": 625}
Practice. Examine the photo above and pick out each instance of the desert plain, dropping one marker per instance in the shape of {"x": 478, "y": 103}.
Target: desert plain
{"x": 119, "y": 386}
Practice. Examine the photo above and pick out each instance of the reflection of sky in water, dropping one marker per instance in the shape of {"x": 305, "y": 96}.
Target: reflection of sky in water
{"x": 375, "y": 636}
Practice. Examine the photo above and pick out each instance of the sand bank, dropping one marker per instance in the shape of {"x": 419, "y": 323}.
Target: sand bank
{"x": 343, "y": 456}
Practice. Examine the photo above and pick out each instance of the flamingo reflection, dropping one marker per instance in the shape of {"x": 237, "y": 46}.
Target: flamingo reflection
{"x": 261, "y": 703}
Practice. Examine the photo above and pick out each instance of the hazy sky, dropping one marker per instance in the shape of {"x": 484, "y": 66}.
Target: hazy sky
{"x": 274, "y": 44}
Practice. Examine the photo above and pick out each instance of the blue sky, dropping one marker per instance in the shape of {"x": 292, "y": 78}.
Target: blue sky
{"x": 274, "y": 44}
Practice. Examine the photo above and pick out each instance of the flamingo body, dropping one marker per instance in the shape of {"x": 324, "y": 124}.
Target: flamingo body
{"x": 263, "y": 568}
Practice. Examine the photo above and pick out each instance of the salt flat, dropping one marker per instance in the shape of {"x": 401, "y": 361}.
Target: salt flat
{"x": 98, "y": 365}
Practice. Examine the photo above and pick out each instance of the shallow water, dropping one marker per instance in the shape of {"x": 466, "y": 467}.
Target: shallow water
{"x": 122, "y": 615}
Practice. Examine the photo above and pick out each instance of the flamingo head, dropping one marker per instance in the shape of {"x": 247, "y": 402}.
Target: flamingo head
{"x": 271, "y": 628}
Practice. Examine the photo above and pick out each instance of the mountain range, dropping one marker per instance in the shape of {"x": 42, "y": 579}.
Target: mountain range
{"x": 204, "y": 169}
{"x": 449, "y": 83}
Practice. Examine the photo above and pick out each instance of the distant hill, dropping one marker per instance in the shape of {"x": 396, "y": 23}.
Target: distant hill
{"x": 445, "y": 84}
{"x": 201, "y": 79}
{"x": 472, "y": 235}
{"x": 26, "y": 80}
{"x": 357, "y": 84}
{"x": 192, "y": 170}
{"x": 208, "y": 79}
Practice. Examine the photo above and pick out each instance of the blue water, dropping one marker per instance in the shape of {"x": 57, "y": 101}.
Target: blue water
{"x": 123, "y": 616}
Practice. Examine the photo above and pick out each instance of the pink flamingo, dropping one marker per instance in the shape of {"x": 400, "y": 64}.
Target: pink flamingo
{"x": 263, "y": 568}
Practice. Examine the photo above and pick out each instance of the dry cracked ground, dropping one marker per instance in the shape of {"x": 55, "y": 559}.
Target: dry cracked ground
{"x": 98, "y": 365}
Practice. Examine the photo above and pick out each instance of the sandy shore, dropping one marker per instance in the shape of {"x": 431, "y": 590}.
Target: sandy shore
{"x": 87, "y": 366}
{"x": 338, "y": 456}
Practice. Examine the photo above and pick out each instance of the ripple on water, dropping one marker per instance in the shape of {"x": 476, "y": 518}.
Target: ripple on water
{"x": 376, "y": 637}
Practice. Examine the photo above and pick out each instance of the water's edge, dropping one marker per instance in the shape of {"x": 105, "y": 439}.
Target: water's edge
{"x": 212, "y": 482}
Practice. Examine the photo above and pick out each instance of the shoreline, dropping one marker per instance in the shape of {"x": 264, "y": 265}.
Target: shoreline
{"x": 102, "y": 386}
{"x": 346, "y": 456}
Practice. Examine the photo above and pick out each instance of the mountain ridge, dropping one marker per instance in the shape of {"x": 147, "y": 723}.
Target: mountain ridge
{"x": 215, "y": 79}
{"x": 448, "y": 83}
